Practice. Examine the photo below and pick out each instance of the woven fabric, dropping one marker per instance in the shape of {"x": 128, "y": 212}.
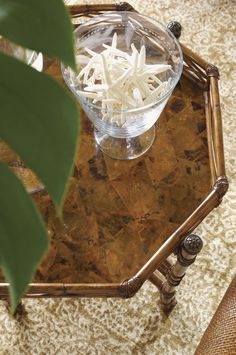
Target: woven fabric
{"x": 220, "y": 336}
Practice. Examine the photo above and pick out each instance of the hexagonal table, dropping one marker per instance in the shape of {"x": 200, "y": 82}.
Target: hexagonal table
{"x": 123, "y": 219}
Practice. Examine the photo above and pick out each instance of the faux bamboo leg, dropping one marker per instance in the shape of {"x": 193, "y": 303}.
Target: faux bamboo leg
{"x": 157, "y": 279}
{"x": 165, "y": 267}
{"x": 186, "y": 255}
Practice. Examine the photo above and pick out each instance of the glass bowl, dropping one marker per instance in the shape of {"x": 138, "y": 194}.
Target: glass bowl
{"x": 28, "y": 56}
{"x": 137, "y": 132}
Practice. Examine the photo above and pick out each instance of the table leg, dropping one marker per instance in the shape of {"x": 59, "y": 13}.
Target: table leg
{"x": 157, "y": 279}
{"x": 165, "y": 267}
{"x": 186, "y": 255}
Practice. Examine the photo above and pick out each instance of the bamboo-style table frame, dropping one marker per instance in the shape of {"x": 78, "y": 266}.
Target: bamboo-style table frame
{"x": 159, "y": 270}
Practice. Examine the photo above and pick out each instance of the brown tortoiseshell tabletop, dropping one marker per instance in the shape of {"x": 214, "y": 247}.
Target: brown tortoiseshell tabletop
{"x": 123, "y": 218}
{"x": 118, "y": 213}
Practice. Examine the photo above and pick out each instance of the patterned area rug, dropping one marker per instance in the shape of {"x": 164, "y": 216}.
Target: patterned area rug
{"x": 136, "y": 326}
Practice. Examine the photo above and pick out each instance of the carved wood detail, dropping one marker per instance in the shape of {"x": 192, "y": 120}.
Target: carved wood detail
{"x": 212, "y": 70}
{"x": 221, "y": 186}
{"x": 129, "y": 287}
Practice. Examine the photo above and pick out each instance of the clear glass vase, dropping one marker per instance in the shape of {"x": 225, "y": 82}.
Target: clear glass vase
{"x": 137, "y": 132}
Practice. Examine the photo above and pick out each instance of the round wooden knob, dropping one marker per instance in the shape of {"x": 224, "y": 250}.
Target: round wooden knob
{"x": 175, "y": 27}
{"x": 192, "y": 244}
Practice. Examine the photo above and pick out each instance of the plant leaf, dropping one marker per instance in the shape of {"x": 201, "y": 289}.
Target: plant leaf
{"x": 40, "y": 121}
{"x": 43, "y": 25}
{"x": 23, "y": 239}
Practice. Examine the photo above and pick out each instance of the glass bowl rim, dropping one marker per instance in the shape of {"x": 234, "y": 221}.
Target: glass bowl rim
{"x": 140, "y": 108}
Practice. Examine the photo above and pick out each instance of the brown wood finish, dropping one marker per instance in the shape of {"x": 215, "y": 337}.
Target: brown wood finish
{"x": 165, "y": 267}
{"x": 212, "y": 158}
{"x": 157, "y": 279}
{"x": 44, "y": 290}
{"x": 139, "y": 220}
{"x": 175, "y": 239}
{"x": 123, "y": 219}
{"x": 77, "y": 11}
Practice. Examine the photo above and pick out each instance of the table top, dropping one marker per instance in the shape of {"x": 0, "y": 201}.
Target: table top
{"x": 119, "y": 213}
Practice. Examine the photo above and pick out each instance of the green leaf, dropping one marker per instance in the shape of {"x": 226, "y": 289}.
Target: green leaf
{"x": 42, "y": 25}
{"x": 40, "y": 121}
{"x": 23, "y": 239}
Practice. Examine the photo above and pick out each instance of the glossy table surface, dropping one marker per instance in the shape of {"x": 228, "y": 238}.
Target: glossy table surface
{"x": 118, "y": 213}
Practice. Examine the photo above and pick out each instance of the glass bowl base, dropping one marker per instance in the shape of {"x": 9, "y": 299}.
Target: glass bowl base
{"x": 125, "y": 148}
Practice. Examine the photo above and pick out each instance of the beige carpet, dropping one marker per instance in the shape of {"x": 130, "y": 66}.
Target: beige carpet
{"x": 136, "y": 326}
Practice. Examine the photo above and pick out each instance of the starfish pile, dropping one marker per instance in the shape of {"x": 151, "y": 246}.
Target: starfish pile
{"x": 120, "y": 81}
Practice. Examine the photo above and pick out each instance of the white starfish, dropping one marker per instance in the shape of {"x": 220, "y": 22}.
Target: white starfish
{"x": 120, "y": 80}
